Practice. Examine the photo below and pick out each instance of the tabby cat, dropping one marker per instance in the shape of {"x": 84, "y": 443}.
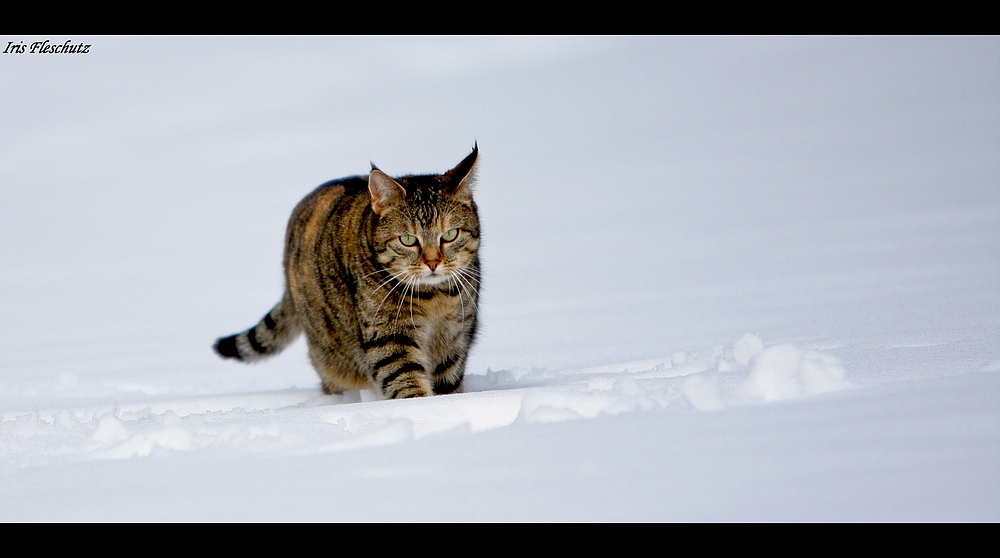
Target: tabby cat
{"x": 382, "y": 275}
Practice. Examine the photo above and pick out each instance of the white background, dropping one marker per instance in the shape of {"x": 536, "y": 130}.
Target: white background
{"x": 724, "y": 278}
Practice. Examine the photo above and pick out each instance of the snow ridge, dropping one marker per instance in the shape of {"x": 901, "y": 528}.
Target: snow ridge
{"x": 306, "y": 422}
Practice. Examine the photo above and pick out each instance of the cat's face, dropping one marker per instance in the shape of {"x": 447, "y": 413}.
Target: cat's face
{"x": 431, "y": 251}
{"x": 428, "y": 229}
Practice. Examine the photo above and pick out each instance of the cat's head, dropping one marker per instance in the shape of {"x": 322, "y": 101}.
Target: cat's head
{"x": 428, "y": 227}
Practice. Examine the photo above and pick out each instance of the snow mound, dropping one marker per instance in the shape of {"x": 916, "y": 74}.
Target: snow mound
{"x": 302, "y": 421}
{"x": 786, "y": 372}
{"x": 746, "y": 348}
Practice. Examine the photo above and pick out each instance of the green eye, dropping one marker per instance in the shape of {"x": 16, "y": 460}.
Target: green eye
{"x": 450, "y": 235}
{"x": 408, "y": 240}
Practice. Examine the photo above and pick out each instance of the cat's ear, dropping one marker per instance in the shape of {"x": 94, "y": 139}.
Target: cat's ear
{"x": 385, "y": 191}
{"x": 462, "y": 178}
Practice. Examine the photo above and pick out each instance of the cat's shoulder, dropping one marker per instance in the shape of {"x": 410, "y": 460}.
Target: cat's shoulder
{"x": 330, "y": 191}
{"x": 327, "y": 198}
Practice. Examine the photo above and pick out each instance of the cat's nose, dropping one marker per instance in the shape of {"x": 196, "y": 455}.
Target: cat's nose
{"x": 433, "y": 264}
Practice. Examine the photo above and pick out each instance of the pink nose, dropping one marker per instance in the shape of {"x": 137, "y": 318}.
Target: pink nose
{"x": 433, "y": 264}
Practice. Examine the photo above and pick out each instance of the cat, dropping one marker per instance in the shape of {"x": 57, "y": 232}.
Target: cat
{"x": 382, "y": 275}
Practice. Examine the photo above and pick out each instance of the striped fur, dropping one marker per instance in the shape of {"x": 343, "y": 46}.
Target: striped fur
{"x": 382, "y": 275}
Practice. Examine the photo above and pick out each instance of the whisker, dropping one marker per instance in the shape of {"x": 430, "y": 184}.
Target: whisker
{"x": 409, "y": 287}
{"x": 395, "y": 276}
{"x": 416, "y": 285}
{"x": 468, "y": 272}
{"x": 467, "y": 280}
{"x": 469, "y": 269}
{"x": 388, "y": 281}
{"x": 452, "y": 280}
{"x": 380, "y": 270}
{"x": 464, "y": 282}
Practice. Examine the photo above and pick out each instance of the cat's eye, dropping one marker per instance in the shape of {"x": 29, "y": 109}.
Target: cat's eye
{"x": 450, "y": 235}
{"x": 408, "y": 240}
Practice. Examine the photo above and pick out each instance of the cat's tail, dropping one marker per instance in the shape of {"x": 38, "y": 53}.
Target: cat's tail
{"x": 270, "y": 336}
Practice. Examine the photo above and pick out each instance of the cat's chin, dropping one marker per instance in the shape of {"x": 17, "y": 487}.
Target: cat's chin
{"x": 433, "y": 279}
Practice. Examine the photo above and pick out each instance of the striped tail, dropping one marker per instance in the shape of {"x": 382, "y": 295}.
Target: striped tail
{"x": 276, "y": 330}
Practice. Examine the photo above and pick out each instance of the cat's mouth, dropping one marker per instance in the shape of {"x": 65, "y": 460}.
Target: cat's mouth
{"x": 433, "y": 277}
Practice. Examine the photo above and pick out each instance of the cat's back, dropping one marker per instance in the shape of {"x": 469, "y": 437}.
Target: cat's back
{"x": 327, "y": 211}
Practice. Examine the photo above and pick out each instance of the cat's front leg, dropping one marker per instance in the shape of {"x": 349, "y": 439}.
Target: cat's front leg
{"x": 397, "y": 366}
{"x": 448, "y": 375}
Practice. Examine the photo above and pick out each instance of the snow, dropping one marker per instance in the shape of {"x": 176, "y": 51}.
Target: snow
{"x": 725, "y": 279}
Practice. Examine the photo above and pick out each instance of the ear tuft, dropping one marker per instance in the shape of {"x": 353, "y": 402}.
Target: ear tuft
{"x": 462, "y": 178}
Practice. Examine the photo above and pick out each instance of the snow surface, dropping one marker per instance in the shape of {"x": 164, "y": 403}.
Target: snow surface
{"x": 726, "y": 279}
